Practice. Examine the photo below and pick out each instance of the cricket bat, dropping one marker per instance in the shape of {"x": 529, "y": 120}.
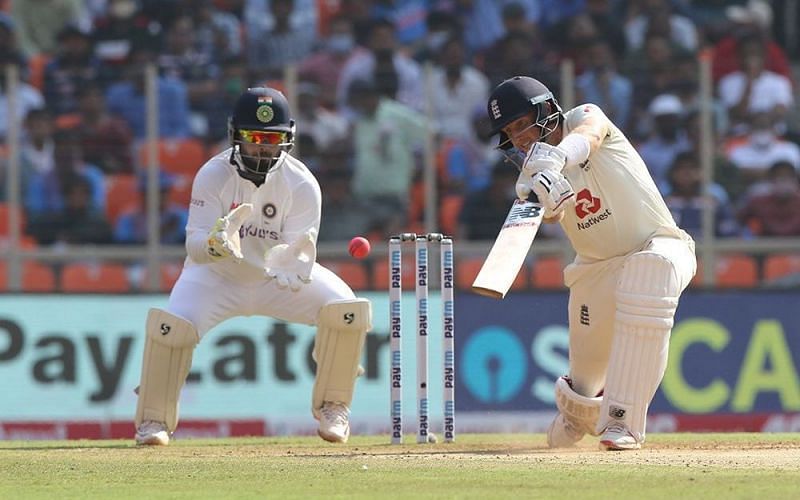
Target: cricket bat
{"x": 505, "y": 259}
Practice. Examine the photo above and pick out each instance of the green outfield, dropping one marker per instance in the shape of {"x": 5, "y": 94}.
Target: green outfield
{"x": 763, "y": 466}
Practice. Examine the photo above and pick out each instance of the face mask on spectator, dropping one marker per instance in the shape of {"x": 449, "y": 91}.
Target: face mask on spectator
{"x": 341, "y": 43}
{"x": 436, "y": 40}
{"x": 762, "y": 138}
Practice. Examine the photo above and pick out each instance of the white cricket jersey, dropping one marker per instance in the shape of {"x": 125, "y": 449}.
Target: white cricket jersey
{"x": 285, "y": 206}
{"x": 618, "y": 207}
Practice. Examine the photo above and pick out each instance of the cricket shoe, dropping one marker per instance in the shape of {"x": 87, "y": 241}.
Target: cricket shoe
{"x": 617, "y": 437}
{"x": 562, "y": 434}
{"x": 334, "y": 422}
{"x": 151, "y": 433}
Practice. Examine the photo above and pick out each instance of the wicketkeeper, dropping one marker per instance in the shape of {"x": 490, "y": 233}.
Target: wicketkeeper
{"x": 632, "y": 260}
{"x": 251, "y": 243}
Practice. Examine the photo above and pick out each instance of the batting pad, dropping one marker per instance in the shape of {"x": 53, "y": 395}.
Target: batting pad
{"x": 341, "y": 329}
{"x": 581, "y": 411}
{"x": 647, "y": 297}
{"x": 168, "y": 348}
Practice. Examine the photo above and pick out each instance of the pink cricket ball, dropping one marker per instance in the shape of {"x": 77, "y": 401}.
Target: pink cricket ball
{"x": 359, "y": 247}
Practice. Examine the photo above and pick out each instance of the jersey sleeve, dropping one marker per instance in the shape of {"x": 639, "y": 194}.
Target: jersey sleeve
{"x": 305, "y": 212}
{"x": 204, "y": 209}
{"x": 586, "y": 113}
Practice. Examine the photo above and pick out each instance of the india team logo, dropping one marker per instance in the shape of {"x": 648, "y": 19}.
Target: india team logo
{"x": 264, "y": 114}
{"x": 586, "y": 204}
{"x": 269, "y": 210}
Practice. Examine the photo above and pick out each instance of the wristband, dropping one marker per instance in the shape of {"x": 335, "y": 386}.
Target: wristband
{"x": 577, "y": 149}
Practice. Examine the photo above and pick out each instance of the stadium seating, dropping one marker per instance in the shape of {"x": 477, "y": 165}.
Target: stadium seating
{"x": 36, "y": 277}
{"x": 177, "y": 156}
{"x": 732, "y": 271}
{"x": 4, "y": 225}
{"x": 780, "y": 267}
{"x": 548, "y": 273}
{"x": 108, "y": 278}
{"x": 122, "y": 194}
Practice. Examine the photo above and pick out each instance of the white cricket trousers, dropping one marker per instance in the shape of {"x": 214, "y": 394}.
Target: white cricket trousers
{"x": 207, "y": 298}
{"x": 592, "y": 308}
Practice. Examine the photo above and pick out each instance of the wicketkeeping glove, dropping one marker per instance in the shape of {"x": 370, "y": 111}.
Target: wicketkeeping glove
{"x": 223, "y": 240}
{"x": 290, "y": 264}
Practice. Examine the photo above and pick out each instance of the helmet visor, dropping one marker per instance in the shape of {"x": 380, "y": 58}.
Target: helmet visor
{"x": 264, "y": 137}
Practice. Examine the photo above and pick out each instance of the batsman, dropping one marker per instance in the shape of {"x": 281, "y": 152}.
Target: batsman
{"x": 251, "y": 244}
{"x": 632, "y": 261}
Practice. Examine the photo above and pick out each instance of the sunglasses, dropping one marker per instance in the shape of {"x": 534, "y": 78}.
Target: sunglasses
{"x": 264, "y": 137}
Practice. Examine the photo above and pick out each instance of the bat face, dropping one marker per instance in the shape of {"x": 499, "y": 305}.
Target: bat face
{"x": 509, "y": 250}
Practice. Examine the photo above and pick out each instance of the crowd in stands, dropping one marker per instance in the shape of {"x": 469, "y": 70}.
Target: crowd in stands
{"x": 377, "y": 81}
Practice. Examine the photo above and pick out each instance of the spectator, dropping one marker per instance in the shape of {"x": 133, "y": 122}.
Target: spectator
{"x": 325, "y": 127}
{"x": 106, "y": 140}
{"x": 395, "y": 75}
{"x": 725, "y": 173}
{"x": 686, "y": 200}
{"x": 658, "y": 15}
{"x": 73, "y": 67}
{"x": 80, "y": 222}
{"x": 259, "y": 17}
{"x": 27, "y": 99}
{"x": 131, "y": 227}
{"x": 493, "y": 60}
{"x": 386, "y": 136}
{"x": 776, "y": 211}
{"x": 217, "y": 33}
{"x": 180, "y": 60}
{"x": 48, "y": 161}
{"x": 127, "y": 98}
{"x": 484, "y": 211}
{"x": 37, "y": 161}
{"x": 481, "y": 21}
{"x": 342, "y": 213}
{"x": 609, "y": 24}
{"x": 601, "y": 84}
{"x": 440, "y": 27}
{"x": 9, "y": 49}
{"x": 752, "y": 19}
{"x": 755, "y": 89}
{"x": 667, "y": 139}
{"x": 324, "y": 66}
{"x": 124, "y": 27}
{"x": 456, "y": 88}
{"x": 38, "y": 22}
{"x": 270, "y": 51}
{"x": 233, "y": 82}
{"x": 650, "y": 71}
{"x": 762, "y": 148}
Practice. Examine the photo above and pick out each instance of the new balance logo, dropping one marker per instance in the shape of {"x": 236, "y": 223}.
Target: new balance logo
{"x": 349, "y": 318}
{"x": 616, "y": 412}
{"x": 165, "y": 328}
{"x": 585, "y": 315}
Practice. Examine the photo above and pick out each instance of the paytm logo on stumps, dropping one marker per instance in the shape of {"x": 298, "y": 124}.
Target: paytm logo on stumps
{"x": 395, "y": 259}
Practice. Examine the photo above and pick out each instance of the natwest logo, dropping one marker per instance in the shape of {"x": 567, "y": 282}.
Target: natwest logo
{"x": 586, "y": 204}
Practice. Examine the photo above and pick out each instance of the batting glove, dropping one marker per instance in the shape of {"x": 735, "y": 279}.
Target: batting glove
{"x": 223, "y": 240}
{"x": 553, "y": 191}
{"x": 543, "y": 157}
